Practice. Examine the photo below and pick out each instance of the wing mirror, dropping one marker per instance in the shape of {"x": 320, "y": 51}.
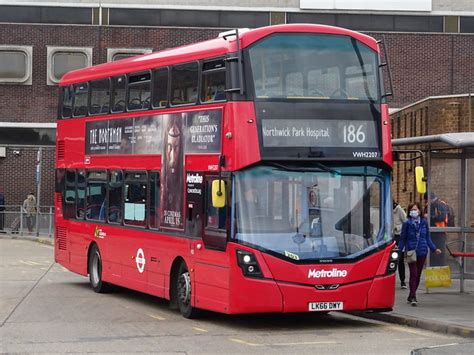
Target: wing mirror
{"x": 218, "y": 193}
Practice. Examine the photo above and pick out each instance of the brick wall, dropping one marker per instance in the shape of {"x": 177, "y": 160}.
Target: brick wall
{"x": 429, "y": 64}
{"x": 18, "y": 175}
{"x": 430, "y": 117}
{"x": 38, "y": 102}
{"x": 423, "y": 64}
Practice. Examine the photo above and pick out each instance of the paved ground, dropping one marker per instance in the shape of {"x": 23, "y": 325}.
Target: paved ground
{"x": 46, "y": 309}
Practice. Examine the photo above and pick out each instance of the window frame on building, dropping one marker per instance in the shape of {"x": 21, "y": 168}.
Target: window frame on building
{"x": 51, "y": 79}
{"x": 27, "y": 79}
{"x": 112, "y": 52}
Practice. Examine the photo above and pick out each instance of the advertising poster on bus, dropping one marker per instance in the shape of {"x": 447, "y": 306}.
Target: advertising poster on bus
{"x": 172, "y": 171}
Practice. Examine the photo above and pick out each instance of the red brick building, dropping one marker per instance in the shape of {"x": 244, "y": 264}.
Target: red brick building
{"x": 429, "y": 55}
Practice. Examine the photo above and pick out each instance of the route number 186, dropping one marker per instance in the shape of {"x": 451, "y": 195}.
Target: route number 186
{"x": 353, "y": 134}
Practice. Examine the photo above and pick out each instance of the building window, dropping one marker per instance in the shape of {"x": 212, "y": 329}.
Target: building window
{"x": 114, "y": 54}
{"x": 64, "y": 59}
{"x": 16, "y": 65}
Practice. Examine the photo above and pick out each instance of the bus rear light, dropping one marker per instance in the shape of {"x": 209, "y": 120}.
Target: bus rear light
{"x": 248, "y": 263}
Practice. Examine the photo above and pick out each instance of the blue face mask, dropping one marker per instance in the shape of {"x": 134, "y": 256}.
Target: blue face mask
{"x": 414, "y": 213}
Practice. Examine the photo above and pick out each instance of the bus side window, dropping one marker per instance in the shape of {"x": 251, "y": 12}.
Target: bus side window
{"x": 96, "y": 202}
{"x": 139, "y": 91}
{"x": 81, "y": 93}
{"x": 118, "y": 94}
{"x": 154, "y": 200}
{"x": 135, "y": 199}
{"x": 114, "y": 209}
{"x": 184, "y": 84}
{"x": 213, "y": 81}
{"x": 69, "y": 195}
{"x": 66, "y": 105}
{"x": 80, "y": 194}
{"x": 216, "y": 217}
{"x": 160, "y": 88}
{"x": 100, "y": 96}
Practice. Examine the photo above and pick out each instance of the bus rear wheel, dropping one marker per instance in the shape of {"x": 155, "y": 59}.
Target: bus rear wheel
{"x": 184, "y": 293}
{"x": 95, "y": 271}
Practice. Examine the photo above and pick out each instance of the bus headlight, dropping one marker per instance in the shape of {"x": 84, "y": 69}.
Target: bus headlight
{"x": 248, "y": 263}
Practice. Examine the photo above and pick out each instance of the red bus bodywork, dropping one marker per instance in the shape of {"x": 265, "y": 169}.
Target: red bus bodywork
{"x": 218, "y": 283}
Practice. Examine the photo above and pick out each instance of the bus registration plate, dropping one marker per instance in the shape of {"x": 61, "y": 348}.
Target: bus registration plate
{"x": 326, "y": 306}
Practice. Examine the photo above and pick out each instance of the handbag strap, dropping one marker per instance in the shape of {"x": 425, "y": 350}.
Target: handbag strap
{"x": 417, "y": 233}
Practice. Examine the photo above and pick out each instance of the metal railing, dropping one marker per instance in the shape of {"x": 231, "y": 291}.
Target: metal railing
{"x": 15, "y": 220}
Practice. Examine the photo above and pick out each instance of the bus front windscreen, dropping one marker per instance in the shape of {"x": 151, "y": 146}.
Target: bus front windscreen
{"x": 312, "y": 213}
{"x": 314, "y": 66}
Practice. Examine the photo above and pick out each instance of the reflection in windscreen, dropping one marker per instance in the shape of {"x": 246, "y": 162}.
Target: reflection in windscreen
{"x": 309, "y": 215}
{"x": 309, "y": 66}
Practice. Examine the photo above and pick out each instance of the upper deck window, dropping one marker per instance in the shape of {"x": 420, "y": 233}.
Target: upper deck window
{"x": 100, "y": 96}
{"x": 80, "y": 99}
{"x": 160, "y": 88}
{"x": 184, "y": 84}
{"x": 118, "y": 93}
{"x": 139, "y": 91}
{"x": 66, "y": 106}
{"x": 313, "y": 66}
{"x": 213, "y": 81}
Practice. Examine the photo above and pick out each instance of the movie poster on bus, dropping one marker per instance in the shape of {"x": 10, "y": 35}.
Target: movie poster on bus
{"x": 97, "y": 137}
{"x": 203, "y": 132}
{"x": 172, "y": 171}
{"x": 148, "y": 135}
{"x": 120, "y": 136}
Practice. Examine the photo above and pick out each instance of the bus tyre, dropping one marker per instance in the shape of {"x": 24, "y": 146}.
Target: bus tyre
{"x": 184, "y": 293}
{"x": 95, "y": 271}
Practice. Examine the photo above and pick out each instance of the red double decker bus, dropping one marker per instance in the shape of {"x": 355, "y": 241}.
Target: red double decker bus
{"x": 248, "y": 173}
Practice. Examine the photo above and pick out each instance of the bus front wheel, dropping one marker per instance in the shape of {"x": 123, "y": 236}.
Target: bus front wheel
{"x": 95, "y": 271}
{"x": 184, "y": 293}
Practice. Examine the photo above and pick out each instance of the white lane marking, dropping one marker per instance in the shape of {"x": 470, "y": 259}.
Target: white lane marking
{"x": 155, "y": 316}
{"x": 200, "y": 329}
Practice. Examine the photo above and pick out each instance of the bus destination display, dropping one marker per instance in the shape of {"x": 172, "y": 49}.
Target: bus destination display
{"x": 319, "y": 133}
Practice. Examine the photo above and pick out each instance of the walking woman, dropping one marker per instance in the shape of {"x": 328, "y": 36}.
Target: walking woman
{"x": 415, "y": 237}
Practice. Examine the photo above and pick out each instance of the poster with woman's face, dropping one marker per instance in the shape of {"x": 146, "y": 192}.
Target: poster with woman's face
{"x": 172, "y": 172}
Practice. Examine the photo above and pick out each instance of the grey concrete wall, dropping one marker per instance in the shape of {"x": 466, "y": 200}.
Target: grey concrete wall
{"x": 439, "y": 6}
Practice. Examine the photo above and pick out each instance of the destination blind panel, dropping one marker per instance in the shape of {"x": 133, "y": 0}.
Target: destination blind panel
{"x": 319, "y": 133}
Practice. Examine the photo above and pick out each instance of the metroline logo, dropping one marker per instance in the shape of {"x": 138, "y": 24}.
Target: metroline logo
{"x": 326, "y": 273}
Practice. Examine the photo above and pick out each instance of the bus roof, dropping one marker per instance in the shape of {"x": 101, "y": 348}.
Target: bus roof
{"x": 201, "y": 50}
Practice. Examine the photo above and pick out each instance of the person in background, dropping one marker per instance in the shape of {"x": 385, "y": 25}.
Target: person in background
{"x": 439, "y": 215}
{"x": 2, "y": 211}
{"x": 29, "y": 205}
{"x": 415, "y": 235}
{"x": 399, "y": 217}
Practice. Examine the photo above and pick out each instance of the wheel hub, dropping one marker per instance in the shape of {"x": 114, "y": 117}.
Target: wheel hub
{"x": 184, "y": 288}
